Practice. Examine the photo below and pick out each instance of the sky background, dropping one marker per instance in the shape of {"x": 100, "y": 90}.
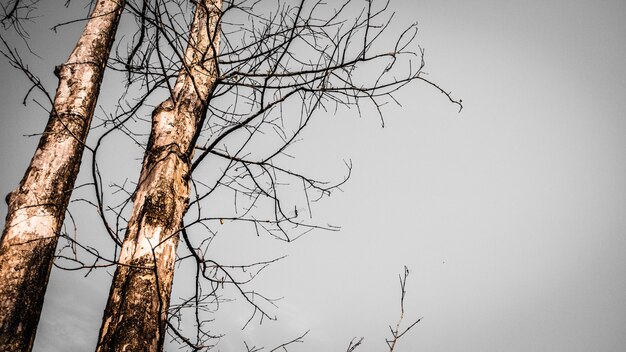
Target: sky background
{"x": 509, "y": 215}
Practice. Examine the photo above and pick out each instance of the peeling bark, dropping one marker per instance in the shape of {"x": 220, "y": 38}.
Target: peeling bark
{"x": 37, "y": 207}
{"x": 136, "y": 311}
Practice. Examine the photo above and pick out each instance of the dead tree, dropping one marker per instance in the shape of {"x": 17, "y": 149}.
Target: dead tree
{"x": 37, "y": 207}
{"x": 136, "y": 313}
{"x": 247, "y": 81}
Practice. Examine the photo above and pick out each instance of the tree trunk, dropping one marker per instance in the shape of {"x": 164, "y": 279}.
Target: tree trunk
{"x": 37, "y": 207}
{"x": 136, "y": 311}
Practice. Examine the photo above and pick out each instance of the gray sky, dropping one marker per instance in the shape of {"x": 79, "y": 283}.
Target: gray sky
{"x": 509, "y": 215}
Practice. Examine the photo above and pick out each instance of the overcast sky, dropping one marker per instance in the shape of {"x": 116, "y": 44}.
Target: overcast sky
{"x": 510, "y": 215}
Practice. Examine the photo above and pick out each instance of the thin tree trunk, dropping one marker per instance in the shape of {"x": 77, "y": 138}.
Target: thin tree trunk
{"x": 37, "y": 207}
{"x": 136, "y": 311}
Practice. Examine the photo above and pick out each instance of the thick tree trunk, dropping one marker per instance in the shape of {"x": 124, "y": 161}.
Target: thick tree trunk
{"x": 136, "y": 311}
{"x": 37, "y": 207}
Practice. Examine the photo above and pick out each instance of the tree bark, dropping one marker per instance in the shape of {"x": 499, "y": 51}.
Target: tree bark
{"x": 136, "y": 311}
{"x": 37, "y": 207}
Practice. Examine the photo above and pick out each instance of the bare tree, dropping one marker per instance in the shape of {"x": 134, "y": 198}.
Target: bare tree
{"x": 242, "y": 80}
{"x": 37, "y": 207}
{"x": 136, "y": 312}
{"x": 247, "y": 83}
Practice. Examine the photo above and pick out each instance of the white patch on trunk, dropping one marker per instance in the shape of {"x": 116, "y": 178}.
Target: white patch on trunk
{"x": 27, "y": 225}
{"x": 146, "y": 241}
